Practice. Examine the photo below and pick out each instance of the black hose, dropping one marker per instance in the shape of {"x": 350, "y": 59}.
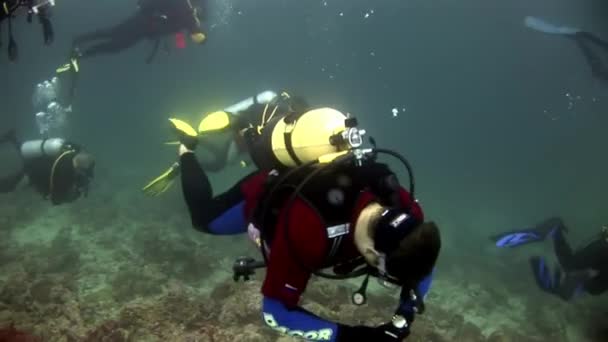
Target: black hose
{"x": 289, "y": 206}
{"x": 407, "y": 165}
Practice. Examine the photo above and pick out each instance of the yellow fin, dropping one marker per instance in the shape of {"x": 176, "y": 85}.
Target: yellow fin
{"x": 214, "y": 122}
{"x": 161, "y": 183}
{"x": 183, "y": 127}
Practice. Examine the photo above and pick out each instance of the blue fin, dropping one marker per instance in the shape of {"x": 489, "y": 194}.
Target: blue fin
{"x": 542, "y": 274}
{"x": 521, "y": 237}
{"x": 517, "y": 238}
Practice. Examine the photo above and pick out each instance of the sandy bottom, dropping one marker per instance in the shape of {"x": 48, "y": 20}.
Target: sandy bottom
{"x": 122, "y": 267}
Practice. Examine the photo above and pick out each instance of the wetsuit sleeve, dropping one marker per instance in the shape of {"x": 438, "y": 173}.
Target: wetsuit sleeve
{"x": 297, "y": 322}
{"x": 221, "y": 215}
{"x": 407, "y": 306}
{"x": 289, "y": 261}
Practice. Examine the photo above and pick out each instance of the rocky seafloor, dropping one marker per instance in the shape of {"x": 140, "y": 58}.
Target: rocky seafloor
{"x": 122, "y": 267}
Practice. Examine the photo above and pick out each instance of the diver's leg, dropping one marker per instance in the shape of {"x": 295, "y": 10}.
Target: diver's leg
{"x": 11, "y": 137}
{"x": 122, "y": 29}
{"x": 221, "y": 215}
{"x": 115, "y": 45}
{"x": 9, "y": 183}
{"x": 101, "y": 34}
{"x": 595, "y": 39}
{"x": 597, "y": 285}
{"x": 586, "y": 257}
{"x": 595, "y": 63}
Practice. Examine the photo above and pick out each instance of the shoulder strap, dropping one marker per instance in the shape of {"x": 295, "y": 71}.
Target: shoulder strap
{"x": 54, "y": 168}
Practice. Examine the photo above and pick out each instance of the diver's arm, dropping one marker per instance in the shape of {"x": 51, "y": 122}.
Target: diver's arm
{"x": 286, "y": 280}
{"x": 300, "y": 322}
{"x": 411, "y": 302}
{"x": 47, "y": 28}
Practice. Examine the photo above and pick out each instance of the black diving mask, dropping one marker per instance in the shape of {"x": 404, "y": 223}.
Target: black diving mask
{"x": 392, "y": 227}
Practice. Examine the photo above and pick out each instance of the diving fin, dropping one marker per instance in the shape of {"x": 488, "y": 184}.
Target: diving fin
{"x": 566, "y": 286}
{"x": 183, "y": 127}
{"x": 516, "y": 238}
{"x": 525, "y": 236}
{"x": 163, "y": 182}
{"x": 213, "y": 122}
{"x": 72, "y": 66}
{"x": 545, "y": 280}
{"x": 187, "y": 134}
{"x": 543, "y": 26}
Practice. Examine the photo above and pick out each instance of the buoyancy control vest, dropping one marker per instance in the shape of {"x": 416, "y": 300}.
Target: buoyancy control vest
{"x": 333, "y": 195}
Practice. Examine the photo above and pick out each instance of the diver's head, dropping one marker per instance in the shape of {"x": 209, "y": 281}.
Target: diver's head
{"x": 84, "y": 166}
{"x": 403, "y": 250}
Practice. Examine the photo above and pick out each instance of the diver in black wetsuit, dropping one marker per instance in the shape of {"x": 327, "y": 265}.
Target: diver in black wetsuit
{"x": 153, "y": 20}
{"x": 60, "y": 171}
{"x": 584, "y": 269}
{"x": 599, "y": 68}
{"x": 9, "y": 8}
{"x": 584, "y": 40}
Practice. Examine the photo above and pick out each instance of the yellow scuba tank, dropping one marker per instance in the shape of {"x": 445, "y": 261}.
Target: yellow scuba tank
{"x": 291, "y": 140}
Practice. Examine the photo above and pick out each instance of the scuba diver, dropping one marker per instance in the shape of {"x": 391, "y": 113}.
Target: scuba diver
{"x": 221, "y": 134}
{"x": 584, "y": 40}
{"x": 319, "y": 201}
{"x": 59, "y": 170}
{"x": 153, "y": 20}
{"x": 583, "y": 270}
{"x": 9, "y": 8}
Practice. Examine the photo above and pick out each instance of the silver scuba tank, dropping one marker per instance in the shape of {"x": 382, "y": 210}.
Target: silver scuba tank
{"x": 42, "y": 148}
{"x": 262, "y": 98}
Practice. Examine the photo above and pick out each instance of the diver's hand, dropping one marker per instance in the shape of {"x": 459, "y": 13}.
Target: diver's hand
{"x": 393, "y": 331}
{"x": 183, "y": 149}
{"x": 387, "y": 332}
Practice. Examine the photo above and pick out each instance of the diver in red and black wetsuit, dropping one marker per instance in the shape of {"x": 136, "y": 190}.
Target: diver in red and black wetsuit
{"x": 346, "y": 215}
{"x": 153, "y": 20}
